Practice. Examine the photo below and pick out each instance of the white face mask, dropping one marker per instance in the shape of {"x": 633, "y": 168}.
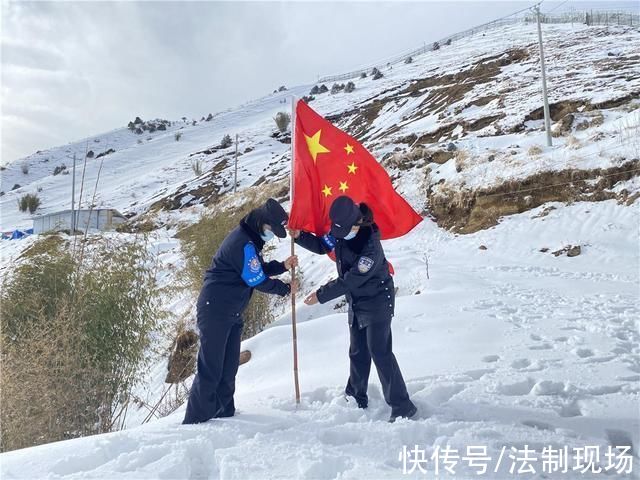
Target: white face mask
{"x": 350, "y": 235}
{"x": 268, "y": 235}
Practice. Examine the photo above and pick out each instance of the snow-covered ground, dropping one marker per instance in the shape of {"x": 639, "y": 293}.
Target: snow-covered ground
{"x": 506, "y": 347}
{"x": 503, "y": 347}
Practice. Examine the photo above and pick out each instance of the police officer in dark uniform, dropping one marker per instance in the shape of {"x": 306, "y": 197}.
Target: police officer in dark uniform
{"x": 364, "y": 278}
{"x": 236, "y": 270}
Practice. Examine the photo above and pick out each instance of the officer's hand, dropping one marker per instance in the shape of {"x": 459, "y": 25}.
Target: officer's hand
{"x": 290, "y": 262}
{"x": 294, "y": 233}
{"x": 311, "y": 299}
{"x": 294, "y": 286}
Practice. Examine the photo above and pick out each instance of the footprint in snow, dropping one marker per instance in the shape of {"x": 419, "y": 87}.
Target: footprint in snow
{"x": 583, "y": 352}
{"x": 538, "y": 425}
{"x": 571, "y": 409}
{"x": 490, "y": 358}
{"x": 521, "y": 363}
{"x": 547, "y": 387}
{"x": 442, "y": 394}
{"x": 478, "y": 374}
{"x": 522, "y": 387}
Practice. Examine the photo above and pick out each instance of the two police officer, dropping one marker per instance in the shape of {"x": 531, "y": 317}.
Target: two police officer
{"x": 364, "y": 279}
{"x": 236, "y": 270}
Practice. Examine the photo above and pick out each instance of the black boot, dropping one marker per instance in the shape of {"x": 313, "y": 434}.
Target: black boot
{"x": 410, "y": 413}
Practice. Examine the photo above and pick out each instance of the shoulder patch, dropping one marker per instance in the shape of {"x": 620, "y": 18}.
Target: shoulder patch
{"x": 364, "y": 264}
{"x": 252, "y": 272}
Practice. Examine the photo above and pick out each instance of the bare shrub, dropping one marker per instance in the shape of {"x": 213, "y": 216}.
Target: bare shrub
{"x": 573, "y": 142}
{"x": 196, "y": 166}
{"x": 282, "y": 119}
{"x": 226, "y": 141}
{"x": 534, "y": 151}
{"x": 337, "y": 87}
{"x": 173, "y": 401}
{"x": 461, "y": 159}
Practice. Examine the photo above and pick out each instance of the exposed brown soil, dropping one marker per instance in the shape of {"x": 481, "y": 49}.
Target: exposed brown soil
{"x": 470, "y": 211}
{"x": 444, "y": 90}
{"x": 564, "y": 111}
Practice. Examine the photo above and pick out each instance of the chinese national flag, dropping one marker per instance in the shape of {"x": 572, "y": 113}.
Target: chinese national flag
{"x": 329, "y": 163}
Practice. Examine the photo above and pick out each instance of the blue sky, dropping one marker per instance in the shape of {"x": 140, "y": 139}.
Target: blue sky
{"x": 71, "y": 69}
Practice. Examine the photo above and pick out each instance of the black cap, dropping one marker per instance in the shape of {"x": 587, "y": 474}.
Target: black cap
{"x": 275, "y": 217}
{"x": 344, "y": 214}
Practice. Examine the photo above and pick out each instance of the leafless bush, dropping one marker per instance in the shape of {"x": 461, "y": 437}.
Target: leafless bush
{"x": 196, "y": 166}
{"x": 282, "y": 119}
{"x": 534, "y": 151}
{"x": 461, "y": 159}
{"x": 573, "y": 142}
{"x": 226, "y": 141}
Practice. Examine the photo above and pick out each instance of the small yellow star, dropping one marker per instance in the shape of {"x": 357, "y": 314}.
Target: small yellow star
{"x": 352, "y": 168}
{"x": 314, "y": 145}
{"x": 349, "y": 149}
{"x": 326, "y": 190}
{"x": 343, "y": 187}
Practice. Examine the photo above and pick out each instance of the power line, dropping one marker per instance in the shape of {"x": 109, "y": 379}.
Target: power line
{"x": 555, "y": 8}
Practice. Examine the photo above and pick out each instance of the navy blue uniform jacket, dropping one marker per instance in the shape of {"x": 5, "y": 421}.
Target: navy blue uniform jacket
{"x": 363, "y": 274}
{"x": 237, "y": 268}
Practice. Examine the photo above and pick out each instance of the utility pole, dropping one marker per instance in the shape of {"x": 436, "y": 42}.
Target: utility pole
{"x": 547, "y": 115}
{"x": 235, "y": 174}
{"x": 73, "y": 196}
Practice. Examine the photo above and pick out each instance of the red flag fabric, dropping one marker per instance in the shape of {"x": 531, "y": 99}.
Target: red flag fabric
{"x": 329, "y": 163}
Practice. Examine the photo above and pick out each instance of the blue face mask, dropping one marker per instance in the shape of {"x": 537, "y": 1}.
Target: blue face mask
{"x": 268, "y": 235}
{"x": 350, "y": 235}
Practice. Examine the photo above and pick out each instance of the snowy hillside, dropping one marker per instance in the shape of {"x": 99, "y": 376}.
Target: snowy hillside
{"x": 503, "y": 344}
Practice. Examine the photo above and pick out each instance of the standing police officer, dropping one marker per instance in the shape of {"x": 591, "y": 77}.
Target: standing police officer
{"x": 364, "y": 278}
{"x": 236, "y": 270}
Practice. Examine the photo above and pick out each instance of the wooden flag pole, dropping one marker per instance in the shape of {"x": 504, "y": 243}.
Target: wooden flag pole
{"x": 293, "y": 248}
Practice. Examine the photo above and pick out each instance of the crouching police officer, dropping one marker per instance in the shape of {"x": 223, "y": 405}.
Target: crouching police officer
{"x": 237, "y": 268}
{"x": 364, "y": 278}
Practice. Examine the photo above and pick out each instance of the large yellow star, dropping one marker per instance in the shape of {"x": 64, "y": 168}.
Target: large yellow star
{"x": 326, "y": 190}
{"x": 349, "y": 149}
{"x": 352, "y": 168}
{"x": 343, "y": 187}
{"x": 314, "y": 145}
